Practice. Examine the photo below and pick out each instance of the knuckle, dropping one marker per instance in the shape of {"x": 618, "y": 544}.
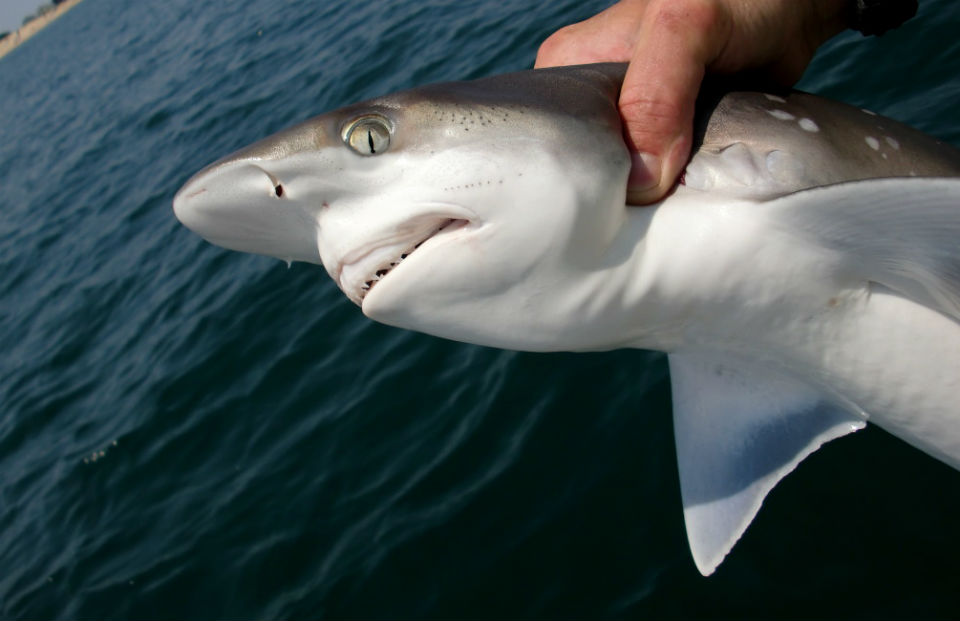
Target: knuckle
{"x": 678, "y": 16}
{"x": 650, "y": 116}
{"x": 652, "y": 125}
{"x": 554, "y": 45}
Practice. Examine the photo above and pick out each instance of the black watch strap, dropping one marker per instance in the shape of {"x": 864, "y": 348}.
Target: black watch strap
{"x": 875, "y": 17}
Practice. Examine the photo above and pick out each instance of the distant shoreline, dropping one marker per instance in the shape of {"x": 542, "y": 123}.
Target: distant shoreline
{"x": 21, "y": 34}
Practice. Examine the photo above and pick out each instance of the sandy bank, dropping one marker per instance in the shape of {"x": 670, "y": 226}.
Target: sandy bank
{"x": 17, "y": 37}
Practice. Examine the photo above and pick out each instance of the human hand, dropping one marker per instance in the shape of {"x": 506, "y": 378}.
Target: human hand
{"x": 670, "y": 45}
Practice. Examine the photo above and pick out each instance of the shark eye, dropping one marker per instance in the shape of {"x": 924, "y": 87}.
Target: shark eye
{"x": 368, "y": 135}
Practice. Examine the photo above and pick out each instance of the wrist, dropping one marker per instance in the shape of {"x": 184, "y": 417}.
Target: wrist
{"x": 830, "y": 18}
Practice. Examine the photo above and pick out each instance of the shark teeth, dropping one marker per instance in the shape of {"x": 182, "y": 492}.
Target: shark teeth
{"x": 383, "y": 270}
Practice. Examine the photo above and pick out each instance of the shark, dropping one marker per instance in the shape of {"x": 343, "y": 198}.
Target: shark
{"x": 803, "y": 277}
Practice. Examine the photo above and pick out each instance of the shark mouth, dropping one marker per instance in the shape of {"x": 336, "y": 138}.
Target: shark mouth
{"x": 359, "y": 276}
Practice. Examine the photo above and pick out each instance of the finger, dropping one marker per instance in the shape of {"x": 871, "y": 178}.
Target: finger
{"x": 677, "y": 40}
{"x": 608, "y": 36}
{"x": 567, "y": 46}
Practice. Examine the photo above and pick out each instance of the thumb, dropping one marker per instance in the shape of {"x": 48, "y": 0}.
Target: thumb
{"x": 660, "y": 88}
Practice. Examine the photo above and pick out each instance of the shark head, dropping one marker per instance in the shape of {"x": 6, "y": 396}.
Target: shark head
{"x": 443, "y": 209}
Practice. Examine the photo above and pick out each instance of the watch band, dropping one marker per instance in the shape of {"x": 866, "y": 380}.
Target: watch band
{"x": 875, "y": 17}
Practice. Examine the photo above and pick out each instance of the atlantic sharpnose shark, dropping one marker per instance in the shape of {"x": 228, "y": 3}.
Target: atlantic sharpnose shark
{"x": 803, "y": 278}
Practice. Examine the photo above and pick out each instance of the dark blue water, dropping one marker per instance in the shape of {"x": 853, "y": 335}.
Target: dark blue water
{"x": 189, "y": 432}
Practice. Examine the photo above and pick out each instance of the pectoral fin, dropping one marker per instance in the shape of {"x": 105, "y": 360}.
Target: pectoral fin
{"x": 739, "y": 429}
{"x": 903, "y": 233}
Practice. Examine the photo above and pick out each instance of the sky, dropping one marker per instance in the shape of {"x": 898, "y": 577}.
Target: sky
{"x": 12, "y": 12}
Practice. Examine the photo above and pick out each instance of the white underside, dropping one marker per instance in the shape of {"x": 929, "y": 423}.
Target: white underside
{"x": 782, "y": 337}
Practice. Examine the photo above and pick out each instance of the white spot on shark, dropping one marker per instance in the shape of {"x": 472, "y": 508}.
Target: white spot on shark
{"x": 776, "y": 98}
{"x": 783, "y": 115}
{"x": 892, "y": 142}
{"x": 873, "y": 142}
{"x": 868, "y": 112}
{"x": 809, "y": 125}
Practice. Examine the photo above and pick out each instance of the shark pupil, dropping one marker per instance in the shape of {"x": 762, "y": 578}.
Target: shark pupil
{"x": 279, "y": 190}
{"x": 368, "y": 135}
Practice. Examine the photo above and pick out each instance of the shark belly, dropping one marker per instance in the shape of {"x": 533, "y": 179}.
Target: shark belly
{"x": 751, "y": 290}
{"x": 781, "y": 338}
{"x": 897, "y": 361}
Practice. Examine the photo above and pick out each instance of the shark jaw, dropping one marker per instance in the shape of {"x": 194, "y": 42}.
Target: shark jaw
{"x": 361, "y": 271}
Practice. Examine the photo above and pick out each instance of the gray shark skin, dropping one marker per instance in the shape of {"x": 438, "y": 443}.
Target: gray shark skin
{"x": 803, "y": 278}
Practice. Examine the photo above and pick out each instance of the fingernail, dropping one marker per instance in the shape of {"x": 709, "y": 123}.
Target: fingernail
{"x": 644, "y": 173}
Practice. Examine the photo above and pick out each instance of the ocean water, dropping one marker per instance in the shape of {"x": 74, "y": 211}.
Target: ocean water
{"x": 193, "y": 433}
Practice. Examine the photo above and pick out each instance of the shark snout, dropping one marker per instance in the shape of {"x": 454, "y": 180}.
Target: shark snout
{"x": 241, "y": 206}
